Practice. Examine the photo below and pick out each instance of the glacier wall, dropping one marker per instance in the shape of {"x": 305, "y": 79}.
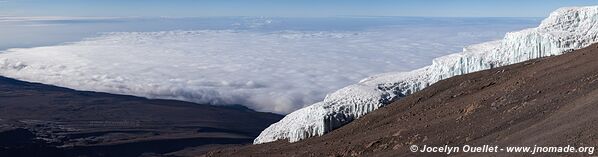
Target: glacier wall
{"x": 564, "y": 30}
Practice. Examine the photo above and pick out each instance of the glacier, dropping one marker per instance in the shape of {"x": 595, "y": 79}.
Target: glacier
{"x": 565, "y": 29}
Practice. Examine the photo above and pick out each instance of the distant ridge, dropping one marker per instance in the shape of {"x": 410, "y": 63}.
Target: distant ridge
{"x": 43, "y": 120}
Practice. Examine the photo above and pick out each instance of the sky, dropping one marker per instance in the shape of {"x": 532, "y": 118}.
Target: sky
{"x": 286, "y": 8}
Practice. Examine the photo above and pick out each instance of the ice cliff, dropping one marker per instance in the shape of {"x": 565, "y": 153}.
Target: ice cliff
{"x": 564, "y": 30}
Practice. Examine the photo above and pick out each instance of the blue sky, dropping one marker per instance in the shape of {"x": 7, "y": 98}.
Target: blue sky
{"x": 286, "y": 8}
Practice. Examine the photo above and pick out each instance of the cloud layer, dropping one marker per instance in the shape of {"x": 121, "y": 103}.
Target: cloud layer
{"x": 275, "y": 71}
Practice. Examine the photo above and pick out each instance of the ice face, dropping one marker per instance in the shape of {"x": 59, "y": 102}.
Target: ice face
{"x": 564, "y": 30}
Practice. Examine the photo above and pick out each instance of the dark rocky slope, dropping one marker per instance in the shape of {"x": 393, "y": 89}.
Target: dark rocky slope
{"x": 550, "y": 101}
{"x": 43, "y": 120}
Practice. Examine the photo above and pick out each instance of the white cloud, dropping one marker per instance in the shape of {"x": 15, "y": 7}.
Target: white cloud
{"x": 267, "y": 71}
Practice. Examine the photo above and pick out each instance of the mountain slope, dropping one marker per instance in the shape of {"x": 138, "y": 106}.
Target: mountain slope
{"x": 564, "y": 30}
{"x": 549, "y": 101}
{"x": 45, "y": 117}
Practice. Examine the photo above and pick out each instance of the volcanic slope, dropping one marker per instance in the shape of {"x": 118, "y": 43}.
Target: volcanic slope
{"x": 550, "y": 101}
{"x": 44, "y": 120}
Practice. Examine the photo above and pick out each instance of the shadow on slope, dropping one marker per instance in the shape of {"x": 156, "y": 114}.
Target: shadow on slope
{"x": 44, "y": 120}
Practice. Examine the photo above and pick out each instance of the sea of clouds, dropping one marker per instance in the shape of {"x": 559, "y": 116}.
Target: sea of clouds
{"x": 274, "y": 65}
